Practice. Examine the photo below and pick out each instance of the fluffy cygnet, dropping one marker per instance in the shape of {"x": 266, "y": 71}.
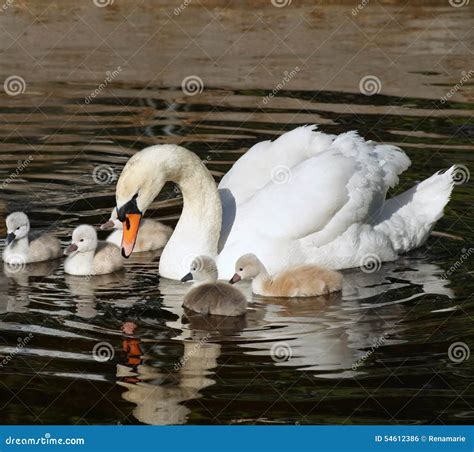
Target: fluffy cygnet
{"x": 209, "y": 296}
{"x": 299, "y": 281}
{"x": 88, "y": 257}
{"x": 21, "y": 249}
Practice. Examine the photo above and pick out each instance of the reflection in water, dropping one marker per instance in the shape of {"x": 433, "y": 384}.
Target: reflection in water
{"x": 389, "y": 332}
{"x": 20, "y": 278}
{"x": 160, "y": 396}
{"x": 327, "y": 336}
{"x": 21, "y": 274}
{"x": 83, "y": 291}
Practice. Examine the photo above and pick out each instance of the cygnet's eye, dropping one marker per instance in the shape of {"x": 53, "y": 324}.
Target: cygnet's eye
{"x": 194, "y": 269}
{"x": 18, "y": 228}
{"x": 241, "y": 269}
{"x": 81, "y": 240}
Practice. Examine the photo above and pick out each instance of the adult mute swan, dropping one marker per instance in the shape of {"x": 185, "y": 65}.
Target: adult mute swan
{"x": 305, "y": 198}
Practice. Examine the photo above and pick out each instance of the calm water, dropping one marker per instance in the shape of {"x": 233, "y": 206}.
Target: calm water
{"x": 378, "y": 353}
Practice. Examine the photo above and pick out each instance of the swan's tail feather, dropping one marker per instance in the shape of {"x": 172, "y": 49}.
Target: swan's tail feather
{"x": 409, "y": 217}
{"x": 393, "y": 161}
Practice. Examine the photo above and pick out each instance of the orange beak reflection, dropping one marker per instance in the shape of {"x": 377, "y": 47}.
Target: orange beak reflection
{"x": 130, "y": 232}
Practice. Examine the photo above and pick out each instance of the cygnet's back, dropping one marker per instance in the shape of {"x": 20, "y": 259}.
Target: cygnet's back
{"x": 210, "y": 296}
{"x": 107, "y": 259}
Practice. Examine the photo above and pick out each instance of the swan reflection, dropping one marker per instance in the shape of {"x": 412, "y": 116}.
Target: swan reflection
{"x": 160, "y": 396}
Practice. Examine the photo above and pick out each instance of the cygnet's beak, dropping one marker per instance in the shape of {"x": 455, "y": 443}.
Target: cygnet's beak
{"x": 72, "y": 248}
{"x": 235, "y": 278}
{"x": 107, "y": 226}
{"x": 10, "y": 238}
{"x": 187, "y": 277}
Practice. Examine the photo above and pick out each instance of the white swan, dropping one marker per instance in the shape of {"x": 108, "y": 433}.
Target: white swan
{"x": 307, "y": 197}
{"x": 153, "y": 235}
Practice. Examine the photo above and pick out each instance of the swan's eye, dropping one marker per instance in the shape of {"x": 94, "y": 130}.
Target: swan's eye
{"x": 81, "y": 240}
{"x": 241, "y": 269}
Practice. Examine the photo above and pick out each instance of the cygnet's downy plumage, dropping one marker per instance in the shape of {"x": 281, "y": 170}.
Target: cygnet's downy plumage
{"x": 88, "y": 257}
{"x": 21, "y": 248}
{"x": 209, "y": 296}
{"x": 298, "y": 281}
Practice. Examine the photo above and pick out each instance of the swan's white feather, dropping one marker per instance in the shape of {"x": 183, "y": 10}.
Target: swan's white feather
{"x": 262, "y": 162}
{"x": 305, "y": 198}
{"x": 329, "y": 209}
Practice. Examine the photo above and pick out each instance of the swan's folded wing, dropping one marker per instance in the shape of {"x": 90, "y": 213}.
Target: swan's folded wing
{"x": 270, "y": 160}
{"x": 314, "y": 192}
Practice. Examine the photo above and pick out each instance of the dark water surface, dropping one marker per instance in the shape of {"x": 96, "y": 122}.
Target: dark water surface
{"x": 378, "y": 353}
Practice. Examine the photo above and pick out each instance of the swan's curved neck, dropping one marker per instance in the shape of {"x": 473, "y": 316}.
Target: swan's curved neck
{"x": 198, "y": 229}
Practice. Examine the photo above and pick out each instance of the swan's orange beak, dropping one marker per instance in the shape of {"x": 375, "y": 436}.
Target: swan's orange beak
{"x": 130, "y": 232}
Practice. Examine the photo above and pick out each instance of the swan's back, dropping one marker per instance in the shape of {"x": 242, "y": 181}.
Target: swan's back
{"x": 216, "y": 298}
{"x": 270, "y": 161}
{"x": 324, "y": 186}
